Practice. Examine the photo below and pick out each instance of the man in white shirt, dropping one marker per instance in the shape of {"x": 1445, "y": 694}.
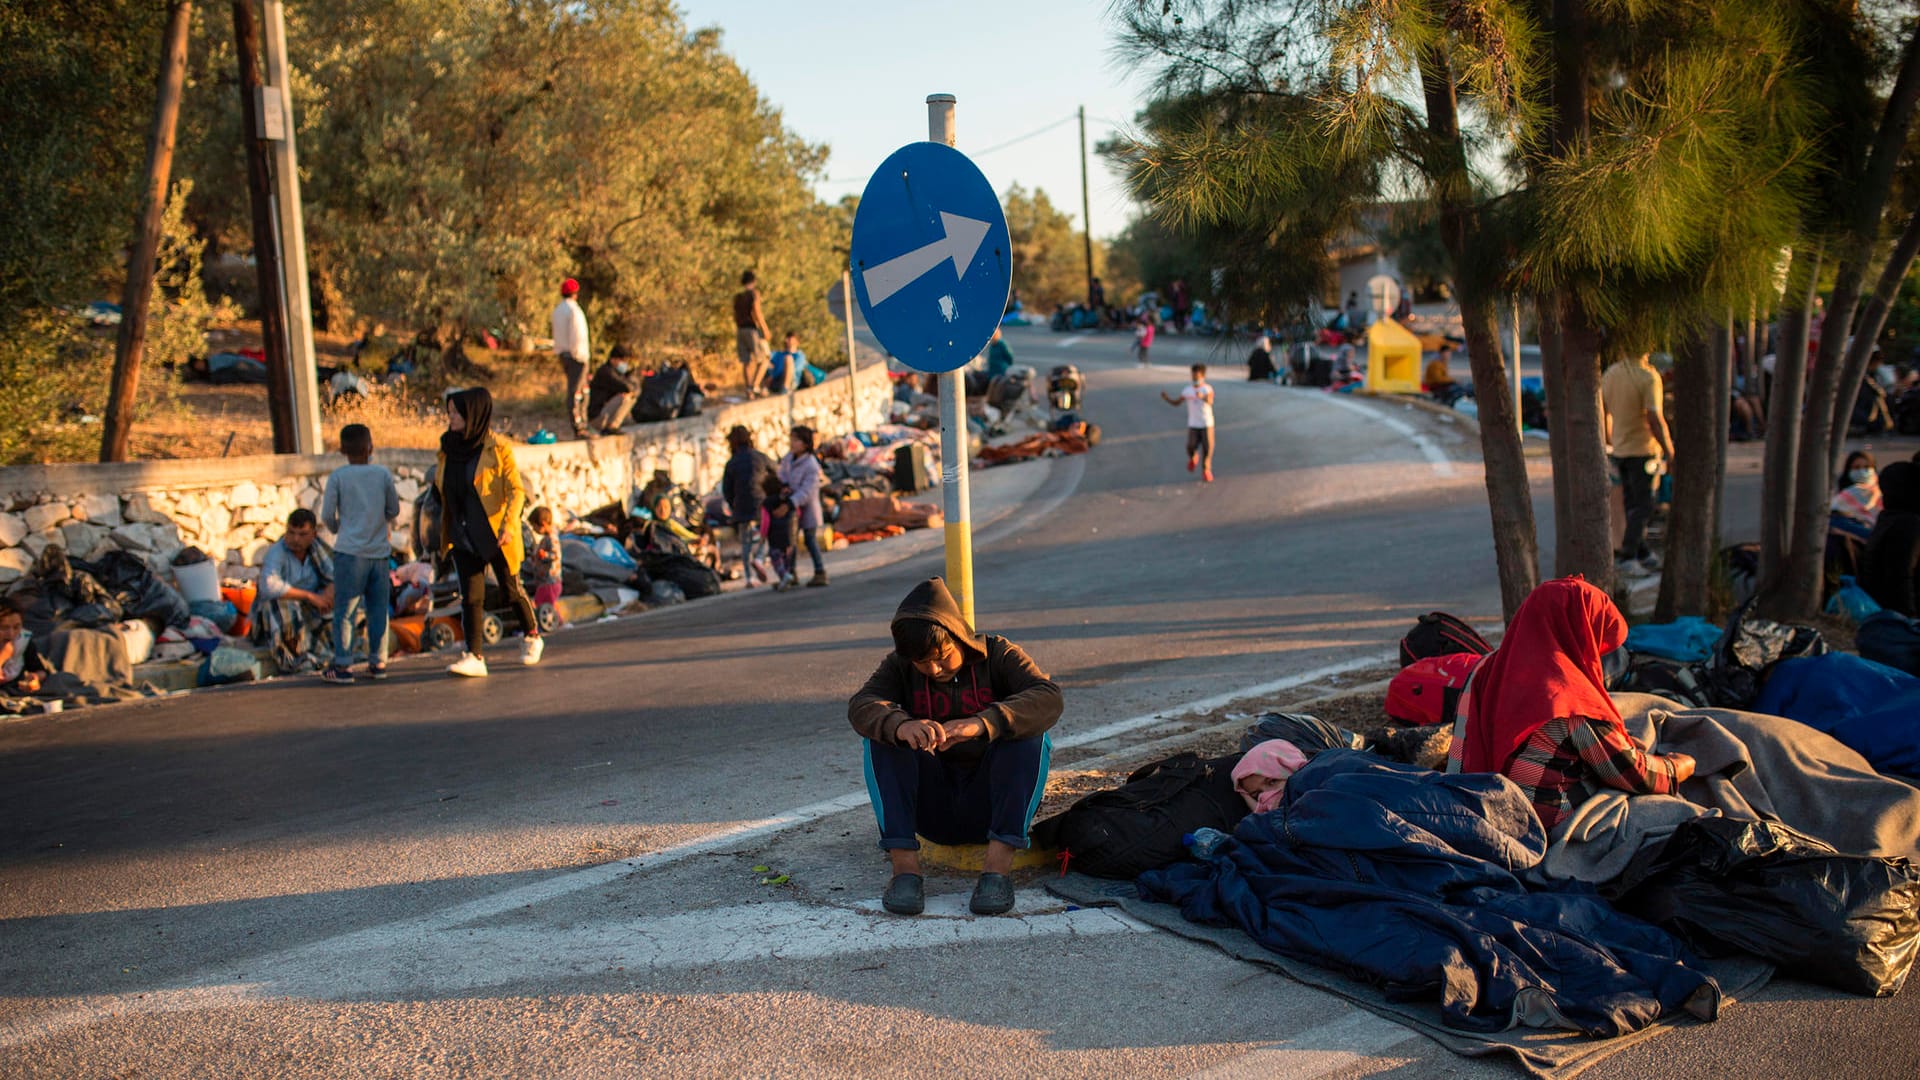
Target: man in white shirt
{"x": 570, "y": 343}
{"x": 1197, "y": 396}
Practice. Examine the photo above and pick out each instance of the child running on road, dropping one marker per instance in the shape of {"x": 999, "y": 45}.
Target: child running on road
{"x": 1197, "y": 396}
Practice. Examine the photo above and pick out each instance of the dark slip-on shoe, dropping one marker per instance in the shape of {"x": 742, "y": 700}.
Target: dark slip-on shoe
{"x": 993, "y": 896}
{"x": 906, "y": 895}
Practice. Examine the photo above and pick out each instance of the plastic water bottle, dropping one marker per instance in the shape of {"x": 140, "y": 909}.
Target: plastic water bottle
{"x": 1204, "y": 842}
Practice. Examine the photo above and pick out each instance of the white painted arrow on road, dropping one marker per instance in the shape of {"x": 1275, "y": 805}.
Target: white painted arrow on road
{"x": 963, "y": 239}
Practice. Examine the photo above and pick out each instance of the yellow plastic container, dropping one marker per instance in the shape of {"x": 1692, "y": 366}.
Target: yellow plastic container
{"x": 971, "y": 858}
{"x": 1393, "y": 359}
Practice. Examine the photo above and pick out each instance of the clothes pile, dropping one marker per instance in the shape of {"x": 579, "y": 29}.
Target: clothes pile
{"x": 92, "y": 621}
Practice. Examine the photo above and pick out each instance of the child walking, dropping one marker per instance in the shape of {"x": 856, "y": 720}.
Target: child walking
{"x": 546, "y": 558}
{"x": 359, "y": 503}
{"x": 1197, "y": 396}
{"x": 1143, "y": 340}
{"x": 776, "y": 524}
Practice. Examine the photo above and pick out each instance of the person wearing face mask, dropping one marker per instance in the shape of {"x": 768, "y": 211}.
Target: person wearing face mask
{"x": 615, "y": 387}
{"x": 1851, "y": 516}
{"x": 955, "y": 727}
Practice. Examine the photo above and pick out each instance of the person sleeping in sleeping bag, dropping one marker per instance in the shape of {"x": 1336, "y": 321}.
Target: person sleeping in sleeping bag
{"x": 955, "y": 727}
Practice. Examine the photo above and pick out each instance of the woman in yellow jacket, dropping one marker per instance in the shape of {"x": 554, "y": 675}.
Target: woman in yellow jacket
{"x": 481, "y": 501}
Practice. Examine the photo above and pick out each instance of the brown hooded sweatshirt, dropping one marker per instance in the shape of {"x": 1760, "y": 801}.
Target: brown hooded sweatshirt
{"x": 999, "y": 684}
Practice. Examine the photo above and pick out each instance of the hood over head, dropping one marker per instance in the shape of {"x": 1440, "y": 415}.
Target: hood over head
{"x": 1900, "y": 488}
{"x": 931, "y": 601}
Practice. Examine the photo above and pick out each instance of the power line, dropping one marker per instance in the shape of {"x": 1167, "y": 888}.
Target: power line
{"x": 1036, "y": 133}
{"x": 1067, "y": 119}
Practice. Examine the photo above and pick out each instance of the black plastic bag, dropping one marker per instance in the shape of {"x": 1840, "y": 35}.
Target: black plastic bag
{"x": 1890, "y": 638}
{"x": 137, "y": 590}
{"x": 1747, "y": 651}
{"x": 1123, "y": 832}
{"x": 1721, "y": 885}
{"x": 1310, "y": 733}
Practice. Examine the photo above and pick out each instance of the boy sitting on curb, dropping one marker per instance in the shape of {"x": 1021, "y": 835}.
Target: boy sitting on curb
{"x": 956, "y": 747}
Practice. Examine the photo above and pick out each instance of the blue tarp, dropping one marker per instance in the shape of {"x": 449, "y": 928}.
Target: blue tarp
{"x": 1870, "y": 707}
{"x": 1688, "y": 639}
{"x": 1406, "y": 878}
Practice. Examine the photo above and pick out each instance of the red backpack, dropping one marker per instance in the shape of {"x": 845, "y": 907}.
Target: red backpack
{"x": 1426, "y": 691}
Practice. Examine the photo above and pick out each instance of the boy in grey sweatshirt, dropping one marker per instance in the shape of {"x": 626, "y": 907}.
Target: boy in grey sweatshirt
{"x": 359, "y": 503}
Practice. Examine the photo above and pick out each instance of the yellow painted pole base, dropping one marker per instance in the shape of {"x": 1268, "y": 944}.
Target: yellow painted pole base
{"x": 960, "y": 567}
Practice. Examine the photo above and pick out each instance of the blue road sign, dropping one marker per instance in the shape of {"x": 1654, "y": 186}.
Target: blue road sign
{"x": 932, "y": 262}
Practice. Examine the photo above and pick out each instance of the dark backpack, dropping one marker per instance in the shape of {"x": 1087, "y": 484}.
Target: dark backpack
{"x": 1141, "y": 825}
{"x": 662, "y": 395}
{"x": 1440, "y": 634}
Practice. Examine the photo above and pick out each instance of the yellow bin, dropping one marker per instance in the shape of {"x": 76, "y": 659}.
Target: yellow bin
{"x": 1393, "y": 359}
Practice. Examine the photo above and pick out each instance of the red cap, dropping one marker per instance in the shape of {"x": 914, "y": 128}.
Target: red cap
{"x": 569, "y": 287}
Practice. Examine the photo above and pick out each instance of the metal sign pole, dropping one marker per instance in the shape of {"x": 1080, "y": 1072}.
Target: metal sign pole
{"x": 853, "y": 368}
{"x": 955, "y": 499}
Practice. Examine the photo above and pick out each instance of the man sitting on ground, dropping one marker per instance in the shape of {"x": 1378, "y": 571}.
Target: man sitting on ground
{"x": 295, "y": 599}
{"x": 611, "y": 395}
{"x": 955, "y": 726}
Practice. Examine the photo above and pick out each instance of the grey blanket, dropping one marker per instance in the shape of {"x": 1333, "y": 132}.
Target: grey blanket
{"x": 1750, "y": 766}
{"x": 88, "y": 665}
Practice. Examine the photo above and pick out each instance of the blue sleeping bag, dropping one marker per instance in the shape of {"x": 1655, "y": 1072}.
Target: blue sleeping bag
{"x": 1406, "y": 878}
{"x": 1871, "y": 707}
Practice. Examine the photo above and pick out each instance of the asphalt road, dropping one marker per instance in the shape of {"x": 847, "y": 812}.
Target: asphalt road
{"x": 558, "y": 871}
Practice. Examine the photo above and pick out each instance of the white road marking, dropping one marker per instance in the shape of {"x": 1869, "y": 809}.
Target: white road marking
{"x": 1317, "y": 1051}
{"x": 1442, "y": 464}
{"x": 1121, "y": 727}
{"x": 328, "y": 957}
{"x": 1073, "y": 340}
{"x": 393, "y": 960}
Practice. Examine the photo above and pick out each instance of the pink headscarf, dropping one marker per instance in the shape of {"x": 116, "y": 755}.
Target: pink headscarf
{"x": 1275, "y": 759}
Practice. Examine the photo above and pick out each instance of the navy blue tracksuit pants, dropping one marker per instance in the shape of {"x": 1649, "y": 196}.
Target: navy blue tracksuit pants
{"x": 916, "y": 792}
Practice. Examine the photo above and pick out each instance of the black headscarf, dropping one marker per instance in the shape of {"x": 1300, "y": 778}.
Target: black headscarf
{"x": 1900, "y": 488}
{"x": 476, "y": 408}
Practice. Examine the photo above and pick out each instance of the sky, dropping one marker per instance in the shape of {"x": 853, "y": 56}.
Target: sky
{"x": 856, "y": 74}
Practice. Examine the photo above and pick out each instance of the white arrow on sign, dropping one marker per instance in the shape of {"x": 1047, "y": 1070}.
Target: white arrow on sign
{"x": 963, "y": 239}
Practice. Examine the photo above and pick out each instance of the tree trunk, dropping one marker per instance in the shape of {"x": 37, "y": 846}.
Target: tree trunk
{"x": 1723, "y": 368}
{"x": 1866, "y": 336}
{"x": 1555, "y": 392}
{"x": 1584, "y": 542}
{"x": 1685, "y": 583}
{"x": 1587, "y": 548}
{"x": 1509, "y": 495}
{"x": 266, "y": 237}
{"x": 131, "y": 347}
{"x": 1777, "y": 488}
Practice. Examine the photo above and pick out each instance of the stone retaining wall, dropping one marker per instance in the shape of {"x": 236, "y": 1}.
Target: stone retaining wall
{"x": 234, "y": 508}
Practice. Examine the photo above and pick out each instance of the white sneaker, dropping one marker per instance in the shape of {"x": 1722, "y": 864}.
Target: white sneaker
{"x": 469, "y": 665}
{"x": 530, "y": 650}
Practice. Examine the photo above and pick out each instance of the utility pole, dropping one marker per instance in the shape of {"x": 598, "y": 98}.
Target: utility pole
{"x": 293, "y": 240}
{"x": 955, "y": 442}
{"x": 261, "y": 120}
{"x": 1086, "y": 203}
{"x": 131, "y": 347}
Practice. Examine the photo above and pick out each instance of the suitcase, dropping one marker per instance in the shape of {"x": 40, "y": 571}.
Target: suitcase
{"x": 909, "y": 467}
